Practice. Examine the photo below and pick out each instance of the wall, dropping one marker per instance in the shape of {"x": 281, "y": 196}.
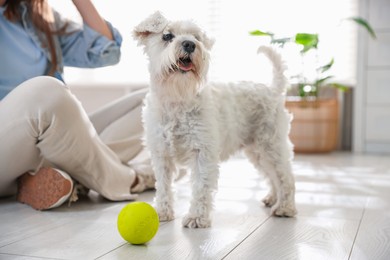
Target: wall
{"x": 94, "y": 97}
{"x": 372, "y": 101}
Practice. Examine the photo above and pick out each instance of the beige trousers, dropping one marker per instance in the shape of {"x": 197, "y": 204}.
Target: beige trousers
{"x": 42, "y": 122}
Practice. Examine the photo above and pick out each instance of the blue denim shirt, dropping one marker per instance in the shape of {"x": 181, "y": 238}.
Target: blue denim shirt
{"x": 22, "y": 55}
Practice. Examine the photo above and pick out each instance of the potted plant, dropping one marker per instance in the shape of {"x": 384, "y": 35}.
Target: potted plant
{"x": 315, "y": 124}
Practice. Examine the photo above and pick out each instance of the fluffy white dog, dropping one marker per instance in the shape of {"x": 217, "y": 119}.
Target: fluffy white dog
{"x": 193, "y": 123}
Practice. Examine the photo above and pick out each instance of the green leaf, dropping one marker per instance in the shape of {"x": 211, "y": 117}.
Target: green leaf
{"x": 326, "y": 67}
{"x": 301, "y": 92}
{"x": 365, "y": 24}
{"x": 260, "y": 33}
{"x": 319, "y": 82}
{"x": 307, "y": 40}
{"x": 340, "y": 86}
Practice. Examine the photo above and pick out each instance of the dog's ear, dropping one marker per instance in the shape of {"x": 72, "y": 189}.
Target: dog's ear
{"x": 155, "y": 23}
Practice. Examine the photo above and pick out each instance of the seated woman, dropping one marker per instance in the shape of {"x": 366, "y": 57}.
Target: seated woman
{"x": 48, "y": 142}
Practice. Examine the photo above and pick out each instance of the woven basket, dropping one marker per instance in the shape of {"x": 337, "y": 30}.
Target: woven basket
{"x": 315, "y": 125}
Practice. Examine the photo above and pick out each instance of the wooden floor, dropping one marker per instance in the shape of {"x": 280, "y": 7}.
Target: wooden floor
{"x": 344, "y": 213}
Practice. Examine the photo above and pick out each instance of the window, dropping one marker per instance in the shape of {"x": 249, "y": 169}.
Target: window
{"x": 234, "y": 54}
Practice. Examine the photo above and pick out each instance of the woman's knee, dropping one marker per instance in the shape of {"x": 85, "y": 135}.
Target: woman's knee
{"x": 41, "y": 89}
{"x": 42, "y": 93}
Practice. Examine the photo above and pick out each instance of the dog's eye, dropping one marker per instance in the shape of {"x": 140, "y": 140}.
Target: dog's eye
{"x": 168, "y": 36}
{"x": 198, "y": 37}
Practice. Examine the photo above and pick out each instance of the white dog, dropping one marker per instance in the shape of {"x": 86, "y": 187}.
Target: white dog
{"x": 193, "y": 123}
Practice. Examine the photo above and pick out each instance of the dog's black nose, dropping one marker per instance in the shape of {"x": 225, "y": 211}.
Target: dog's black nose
{"x": 188, "y": 46}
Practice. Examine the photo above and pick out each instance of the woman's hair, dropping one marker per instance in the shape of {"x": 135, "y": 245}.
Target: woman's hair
{"x": 42, "y": 18}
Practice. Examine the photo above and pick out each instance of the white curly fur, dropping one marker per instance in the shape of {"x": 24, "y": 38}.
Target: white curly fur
{"x": 192, "y": 123}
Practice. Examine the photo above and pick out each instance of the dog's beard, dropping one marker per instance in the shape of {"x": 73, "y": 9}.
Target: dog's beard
{"x": 178, "y": 86}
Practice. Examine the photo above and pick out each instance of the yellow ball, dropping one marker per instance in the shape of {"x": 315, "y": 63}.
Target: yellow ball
{"x": 138, "y": 222}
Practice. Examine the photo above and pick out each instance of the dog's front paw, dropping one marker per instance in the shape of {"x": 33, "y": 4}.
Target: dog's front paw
{"x": 190, "y": 221}
{"x": 284, "y": 210}
{"x": 165, "y": 214}
{"x": 269, "y": 200}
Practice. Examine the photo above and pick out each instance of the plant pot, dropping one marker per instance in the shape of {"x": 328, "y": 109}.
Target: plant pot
{"x": 315, "y": 124}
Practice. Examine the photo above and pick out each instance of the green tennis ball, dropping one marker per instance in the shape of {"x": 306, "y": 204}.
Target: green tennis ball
{"x": 138, "y": 222}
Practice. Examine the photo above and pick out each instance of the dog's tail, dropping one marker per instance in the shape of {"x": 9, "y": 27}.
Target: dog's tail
{"x": 279, "y": 80}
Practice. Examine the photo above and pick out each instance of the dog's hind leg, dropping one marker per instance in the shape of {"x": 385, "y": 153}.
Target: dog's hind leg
{"x": 204, "y": 177}
{"x": 277, "y": 167}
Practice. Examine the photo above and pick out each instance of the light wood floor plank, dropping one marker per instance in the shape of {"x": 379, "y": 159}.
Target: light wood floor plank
{"x": 373, "y": 239}
{"x": 342, "y": 199}
{"x": 238, "y": 212}
{"x": 300, "y": 238}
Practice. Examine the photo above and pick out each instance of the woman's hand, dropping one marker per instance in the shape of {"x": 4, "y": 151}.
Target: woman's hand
{"x": 92, "y": 17}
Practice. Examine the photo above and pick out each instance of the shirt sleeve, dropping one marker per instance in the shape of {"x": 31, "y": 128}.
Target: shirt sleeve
{"x": 85, "y": 48}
